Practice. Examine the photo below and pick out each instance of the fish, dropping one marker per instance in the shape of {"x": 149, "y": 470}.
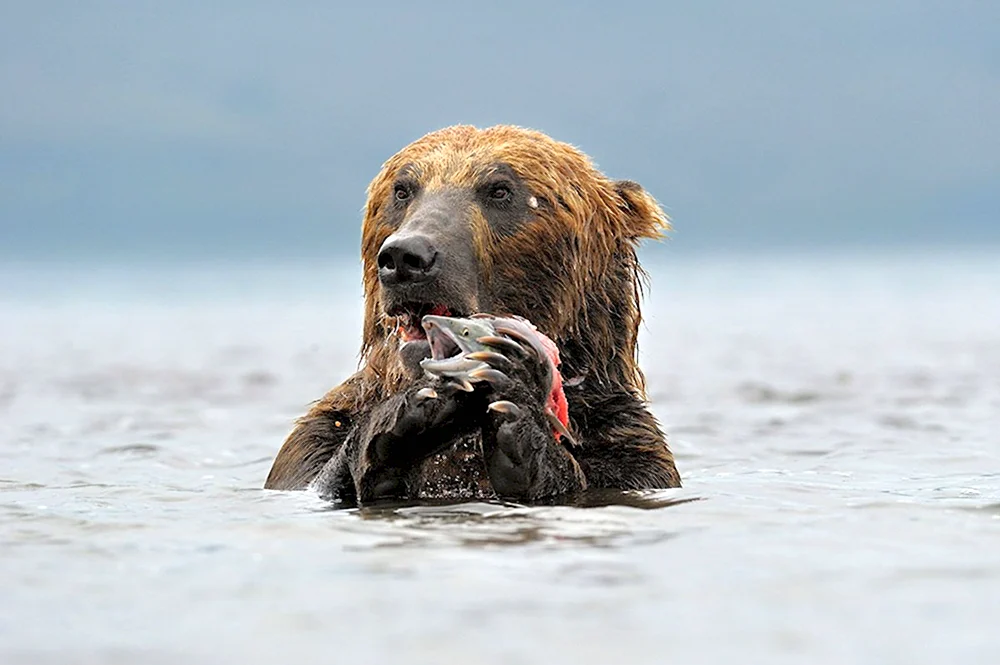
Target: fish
{"x": 452, "y": 340}
{"x": 472, "y": 350}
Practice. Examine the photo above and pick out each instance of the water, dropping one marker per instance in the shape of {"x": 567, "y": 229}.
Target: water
{"x": 837, "y": 420}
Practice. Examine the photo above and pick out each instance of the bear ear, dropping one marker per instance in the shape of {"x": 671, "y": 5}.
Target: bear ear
{"x": 644, "y": 216}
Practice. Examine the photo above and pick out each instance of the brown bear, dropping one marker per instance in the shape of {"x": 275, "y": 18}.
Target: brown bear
{"x": 508, "y": 221}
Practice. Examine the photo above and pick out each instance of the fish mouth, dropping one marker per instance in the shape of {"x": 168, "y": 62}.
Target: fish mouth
{"x": 443, "y": 341}
{"x": 409, "y": 316}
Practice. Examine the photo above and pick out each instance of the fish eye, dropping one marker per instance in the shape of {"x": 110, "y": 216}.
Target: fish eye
{"x": 465, "y": 332}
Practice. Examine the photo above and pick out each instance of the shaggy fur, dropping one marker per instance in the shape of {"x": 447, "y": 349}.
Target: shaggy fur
{"x": 571, "y": 269}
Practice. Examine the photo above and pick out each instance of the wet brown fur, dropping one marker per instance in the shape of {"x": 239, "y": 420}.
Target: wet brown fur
{"x": 572, "y": 270}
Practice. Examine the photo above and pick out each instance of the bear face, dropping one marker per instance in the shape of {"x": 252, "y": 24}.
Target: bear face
{"x": 504, "y": 221}
{"x": 510, "y": 221}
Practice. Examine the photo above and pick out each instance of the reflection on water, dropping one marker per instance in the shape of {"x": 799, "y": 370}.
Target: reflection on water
{"x": 835, "y": 426}
{"x": 561, "y": 524}
{"x": 593, "y": 498}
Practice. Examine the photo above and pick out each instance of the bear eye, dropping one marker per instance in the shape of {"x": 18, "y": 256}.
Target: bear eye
{"x": 500, "y": 193}
{"x": 401, "y": 192}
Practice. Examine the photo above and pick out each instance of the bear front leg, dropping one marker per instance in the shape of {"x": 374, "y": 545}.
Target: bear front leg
{"x": 626, "y": 449}
{"x": 524, "y": 456}
{"x": 388, "y": 443}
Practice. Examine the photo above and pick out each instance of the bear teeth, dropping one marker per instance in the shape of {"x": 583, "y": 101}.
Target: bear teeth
{"x": 410, "y": 317}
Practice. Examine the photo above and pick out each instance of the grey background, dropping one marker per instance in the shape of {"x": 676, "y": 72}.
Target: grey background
{"x": 250, "y": 129}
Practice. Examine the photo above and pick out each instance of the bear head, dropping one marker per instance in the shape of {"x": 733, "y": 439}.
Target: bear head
{"x": 508, "y": 221}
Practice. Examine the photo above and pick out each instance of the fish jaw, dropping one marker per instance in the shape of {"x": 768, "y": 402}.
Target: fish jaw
{"x": 453, "y": 366}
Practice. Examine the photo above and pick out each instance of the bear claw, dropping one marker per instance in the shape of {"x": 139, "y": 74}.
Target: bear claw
{"x": 490, "y": 375}
{"x": 426, "y": 393}
{"x": 505, "y": 407}
{"x": 525, "y": 343}
{"x": 562, "y": 429}
{"x": 463, "y": 384}
{"x": 504, "y": 343}
{"x": 489, "y": 357}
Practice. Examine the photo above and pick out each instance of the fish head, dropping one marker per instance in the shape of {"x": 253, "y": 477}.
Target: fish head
{"x": 451, "y": 336}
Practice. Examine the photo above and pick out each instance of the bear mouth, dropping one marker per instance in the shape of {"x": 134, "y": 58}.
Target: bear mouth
{"x": 409, "y": 317}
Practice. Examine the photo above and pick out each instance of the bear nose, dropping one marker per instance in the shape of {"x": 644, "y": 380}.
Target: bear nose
{"x": 410, "y": 259}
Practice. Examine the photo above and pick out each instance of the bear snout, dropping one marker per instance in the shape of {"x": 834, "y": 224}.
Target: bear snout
{"x": 407, "y": 260}
{"x": 430, "y": 259}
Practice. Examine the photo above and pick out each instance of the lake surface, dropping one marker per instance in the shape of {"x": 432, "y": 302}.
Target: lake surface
{"x": 836, "y": 418}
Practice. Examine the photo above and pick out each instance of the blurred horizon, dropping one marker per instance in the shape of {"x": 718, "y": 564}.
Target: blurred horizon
{"x": 237, "y": 131}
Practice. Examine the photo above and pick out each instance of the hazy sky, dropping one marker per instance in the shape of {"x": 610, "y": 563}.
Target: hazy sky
{"x": 252, "y": 128}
